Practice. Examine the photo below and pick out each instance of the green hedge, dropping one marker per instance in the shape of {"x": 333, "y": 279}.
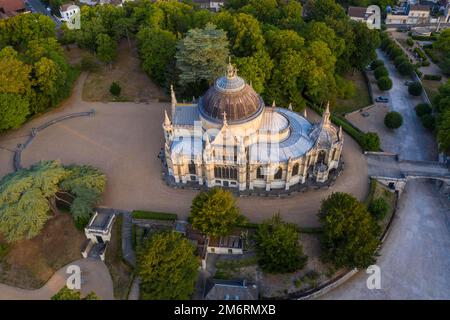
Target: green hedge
{"x": 151, "y": 215}
{"x": 421, "y": 53}
{"x": 430, "y": 53}
{"x": 435, "y": 77}
{"x": 425, "y": 38}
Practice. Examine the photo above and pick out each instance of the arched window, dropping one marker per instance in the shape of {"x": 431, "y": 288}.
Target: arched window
{"x": 295, "y": 169}
{"x": 321, "y": 157}
{"x": 279, "y": 173}
{"x": 225, "y": 172}
{"x": 259, "y": 173}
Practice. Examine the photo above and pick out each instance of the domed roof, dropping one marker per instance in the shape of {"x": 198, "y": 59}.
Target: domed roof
{"x": 232, "y": 97}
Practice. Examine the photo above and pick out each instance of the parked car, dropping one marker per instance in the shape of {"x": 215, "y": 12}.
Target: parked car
{"x": 408, "y": 82}
{"x": 382, "y": 99}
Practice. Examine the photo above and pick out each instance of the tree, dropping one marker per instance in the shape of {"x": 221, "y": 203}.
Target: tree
{"x": 415, "y": 89}
{"x": 393, "y": 120}
{"x": 14, "y": 110}
{"x": 157, "y": 49}
{"x": 255, "y": 69}
{"x": 277, "y": 246}
{"x": 167, "y": 267}
{"x": 366, "y": 41}
{"x": 384, "y": 83}
{"x": 243, "y": 31}
{"x": 380, "y": 72}
{"x": 422, "y": 109}
{"x": 214, "y": 212}
{"x": 350, "y": 234}
{"x": 115, "y": 89}
{"x": 106, "y": 48}
{"x": 376, "y": 63}
{"x": 443, "y": 131}
{"x": 428, "y": 121}
{"x": 405, "y": 68}
{"x": 67, "y": 294}
{"x": 28, "y": 196}
{"x": 370, "y": 141}
{"x": 378, "y": 208}
{"x": 201, "y": 57}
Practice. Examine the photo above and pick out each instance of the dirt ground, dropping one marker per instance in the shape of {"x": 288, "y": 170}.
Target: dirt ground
{"x": 30, "y": 263}
{"x": 127, "y": 72}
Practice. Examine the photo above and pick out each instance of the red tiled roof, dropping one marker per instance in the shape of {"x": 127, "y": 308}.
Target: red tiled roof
{"x": 12, "y": 5}
{"x": 357, "y": 12}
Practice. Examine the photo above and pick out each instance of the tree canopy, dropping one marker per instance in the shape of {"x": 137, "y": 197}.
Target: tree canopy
{"x": 28, "y": 196}
{"x": 350, "y": 234}
{"x": 67, "y": 294}
{"x": 214, "y": 212}
{"x": 167, "y": 267}
{"x": 277, "y": 246}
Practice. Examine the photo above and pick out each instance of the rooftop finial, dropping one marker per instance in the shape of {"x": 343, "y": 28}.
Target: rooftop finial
{"x": 225, "y": 123}
{"x": 273, "y": 104}
{"x": 290, "y": 107}
{"x": 326, "y": 114}
{"x": 231, "y": 70}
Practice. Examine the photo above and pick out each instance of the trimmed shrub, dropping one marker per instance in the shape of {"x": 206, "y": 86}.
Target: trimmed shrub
{"x": 376, "y": 63}
{"x": 137, "y": 214}
{"x": 405, "y": 68}
{"x": 380, "y": 72}
{"x": 424, "y": 38}
{"x": 384, "y": 83}
{"x": 395, "y": 52}
{"x": 399, "y": 60}
{"x": 422, "y": 109}
{"x": 378, "y": 208}
{"x": 428, "y": 121}
{"x": 420, "y": 53}
{"x": 393, "y": 120}
{"x": 410, "y": 41}
{"x": 435, "y": 77}
{"x": 425, "y": 63}
{"x": 415, "y": 89}
{"x": 370, "y": 141}
{"x": 115, "y": 89}
{"x": 430, "y": 53}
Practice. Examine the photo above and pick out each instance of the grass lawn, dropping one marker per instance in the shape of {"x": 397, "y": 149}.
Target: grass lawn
{"x": 121, "y": 272}
{"x": 377, "y": 190}
{"x": 30, "y": 263}
{"x": 126, "y": 71}
{"x": 431, "y": 87}
{"x": 361, "y": 98}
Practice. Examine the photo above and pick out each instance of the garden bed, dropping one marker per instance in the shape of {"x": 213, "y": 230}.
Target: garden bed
{"x": 361, "y": 98}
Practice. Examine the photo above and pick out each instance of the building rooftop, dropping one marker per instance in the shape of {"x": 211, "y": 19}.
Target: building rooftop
{"x": 101, "y": 220}
{"x": 357, "y": 12}
{"x": 420, "y": 7}
{"x": 11, "y": 6}
{"x": 216, "y": 289}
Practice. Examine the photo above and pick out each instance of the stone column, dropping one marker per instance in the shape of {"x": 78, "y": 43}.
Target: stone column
{"x": 269, "y": 177}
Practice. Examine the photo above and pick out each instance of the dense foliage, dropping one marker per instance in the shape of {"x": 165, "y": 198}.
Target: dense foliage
{"x": 378, "y": 208}
{"x": 167, "y": 267}
{"x": 35, "y": 75}
{"x": 441, "y": 104}
{"x": 415, "y": 89}
{"x": 287, "y": 57}
{"x": 278, "y": 248}
{"x": 28, "y": 196}
{"x": 214, "y": 212}
{"x": 370, "y": 141}
{"x": 67, "y": 294}
{"x": 350, "y": 234}
{"x": 393, "y": 120}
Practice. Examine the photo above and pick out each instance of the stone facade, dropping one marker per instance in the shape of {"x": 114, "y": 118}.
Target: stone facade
{"x": 229, "y": 138}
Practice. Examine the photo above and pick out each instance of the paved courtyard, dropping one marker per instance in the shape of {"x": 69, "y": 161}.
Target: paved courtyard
{"x": 123, "y": 139}
{"x": 415, "y": 259}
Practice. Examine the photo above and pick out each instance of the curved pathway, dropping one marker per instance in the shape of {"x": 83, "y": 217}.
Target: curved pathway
{"x": 94, "y": 277}
{"x": 124, "y": 138}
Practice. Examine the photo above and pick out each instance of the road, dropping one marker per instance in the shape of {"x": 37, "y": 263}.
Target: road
{"x": 415, "y": 259}
{"x": 39, "y": 7}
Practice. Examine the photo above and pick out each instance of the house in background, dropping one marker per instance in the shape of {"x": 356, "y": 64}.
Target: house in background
{"x": 68, "y": 10}
{"x": 410, "y": 15}
{"x": 11, "y": 8}
{"x": 370, "y": 15}
{"x": 212, "y": 5}
{"x": 357, "y": 13}
{"x": 230, "y": 290}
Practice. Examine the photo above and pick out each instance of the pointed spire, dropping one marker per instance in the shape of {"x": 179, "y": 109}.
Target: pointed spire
{"x": 273, "y": 104}
{"x": 174, "y": 100}
{"x": 166, "y": 119}
{"x": 326, "y": 115}
{"x": 340, "y": 133}
{"x": 207, "y": 142}
{"x": 290, "y": 107}
{"x": 225, "y": 122}
{"x": 305, "y": 115}
{"x": 231, "y": 70}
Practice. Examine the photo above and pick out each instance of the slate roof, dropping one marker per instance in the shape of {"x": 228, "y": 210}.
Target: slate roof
{"x": 230, "y": 290}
